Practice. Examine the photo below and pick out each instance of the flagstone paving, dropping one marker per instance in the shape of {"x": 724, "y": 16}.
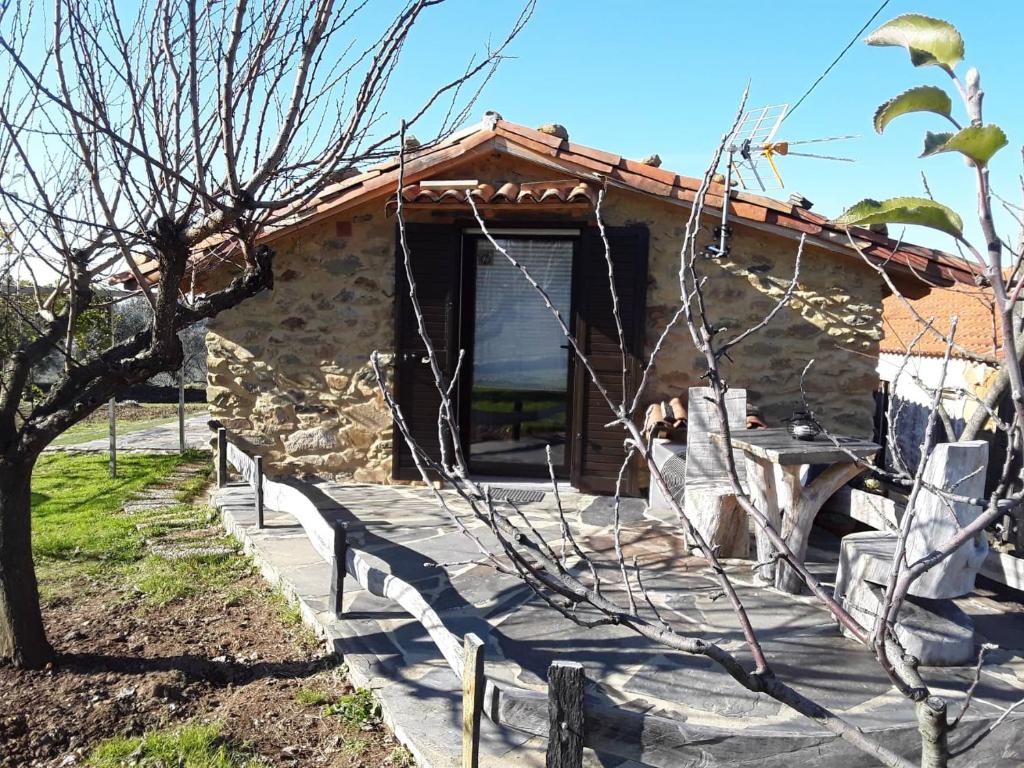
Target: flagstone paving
{"x": 390, "y": 652}
{"x": 160, "y": 439}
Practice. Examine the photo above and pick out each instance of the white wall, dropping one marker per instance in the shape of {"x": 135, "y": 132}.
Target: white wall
{"x": 920, "y": 374}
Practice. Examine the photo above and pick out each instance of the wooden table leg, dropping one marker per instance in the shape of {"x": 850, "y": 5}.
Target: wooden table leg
{"x": 764, "y": 494}
{"x": 799, "y": 516}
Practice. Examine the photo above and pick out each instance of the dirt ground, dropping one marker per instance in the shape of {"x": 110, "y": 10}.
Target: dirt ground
{"x": 233, "y": 658}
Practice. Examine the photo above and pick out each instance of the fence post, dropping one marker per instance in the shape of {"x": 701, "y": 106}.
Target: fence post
{"x": 472, "y": 699}
{"x": 181, "y": 409}
{"x": 565, "y": 715}
{"x": 112, "y": 405}
{"x": 340, "y": 566}
{"x": 259, "y": 492}
{"x": 112, "y": 422}
{"x": 222, "y": 457}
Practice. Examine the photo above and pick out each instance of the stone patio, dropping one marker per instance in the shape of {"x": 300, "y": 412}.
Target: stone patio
{"x": 388, "y": 651}
{"x": 159, "y": 439}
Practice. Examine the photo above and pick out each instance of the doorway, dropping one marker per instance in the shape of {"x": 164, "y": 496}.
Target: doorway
{"x": 520, "y": 365}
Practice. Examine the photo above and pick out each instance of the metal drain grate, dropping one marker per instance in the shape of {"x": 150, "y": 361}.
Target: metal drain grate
{"x": 674, "y": 472}
{"x": 517, "y": 495}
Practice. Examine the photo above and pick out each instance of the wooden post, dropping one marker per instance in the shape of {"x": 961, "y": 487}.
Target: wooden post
{"x": 565, "y": 715}
{"x": 340, "y": 566}
{"x": 472, "y": 699}
{"x": 112, "y": 405}
{"x": 259, "y": 492}
{"x": 222, "y": 457}
{"x": 112, "y": 418}
{"x": 181, "y": 409}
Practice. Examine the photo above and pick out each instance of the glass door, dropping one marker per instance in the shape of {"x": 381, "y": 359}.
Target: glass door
{"x": 520, "y": 371}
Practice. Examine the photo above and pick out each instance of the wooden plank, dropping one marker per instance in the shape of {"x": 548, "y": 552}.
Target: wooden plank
{"x": 472, "y": 699}
{"x": 777, "y": 445}
{"x": 961, "y": 466}
{"x": 883, "y": 514}
{"x": 764, "y": 495}
{"x": 1003, "y": 568}
{"x": 878, "y": 512}
{"x": 565, "y": 715}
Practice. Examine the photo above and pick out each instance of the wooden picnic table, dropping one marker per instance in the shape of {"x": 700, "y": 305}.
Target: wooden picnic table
{"x": 774, "y": 462}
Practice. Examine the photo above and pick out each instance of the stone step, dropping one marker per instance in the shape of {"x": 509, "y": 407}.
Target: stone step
{"x": 177, "y": 552}
{"x": 172, "y": 515}
{"x": 169, "y": 524}
{"x": 135, "y": 510}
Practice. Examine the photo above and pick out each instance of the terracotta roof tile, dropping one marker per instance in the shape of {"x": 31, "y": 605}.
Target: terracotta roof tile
{"x": 510, "y": 192}
{"x": 595, "y": 167}
{"x": 977, "y": 327}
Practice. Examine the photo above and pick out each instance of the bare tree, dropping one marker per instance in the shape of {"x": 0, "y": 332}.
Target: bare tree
{"x": 588, "y": 590}
{"x": 134, "y": 143}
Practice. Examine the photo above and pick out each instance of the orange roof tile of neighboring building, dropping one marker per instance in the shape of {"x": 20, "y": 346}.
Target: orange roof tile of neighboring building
{"x": 977, "y": 329}
{"x": 595, "y": 168}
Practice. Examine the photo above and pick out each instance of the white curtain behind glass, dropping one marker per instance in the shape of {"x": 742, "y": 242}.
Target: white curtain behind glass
{"x": 518, "y": 343}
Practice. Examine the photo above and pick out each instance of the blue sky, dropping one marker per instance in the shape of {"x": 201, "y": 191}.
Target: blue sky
{"x": 665, "y": 76}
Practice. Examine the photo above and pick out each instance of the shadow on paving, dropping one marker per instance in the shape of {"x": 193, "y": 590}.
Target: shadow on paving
{"x": 523, "y": 636}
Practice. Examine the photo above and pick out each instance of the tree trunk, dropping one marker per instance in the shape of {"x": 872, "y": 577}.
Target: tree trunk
{"x": 931, "y": 722}
{"x": 22, "y": 637}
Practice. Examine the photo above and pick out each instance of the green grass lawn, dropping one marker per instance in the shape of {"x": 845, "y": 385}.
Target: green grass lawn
{"x": 79, "y": 531}
{"x": 96, "y": 427}
{"x": 196, "y": 745}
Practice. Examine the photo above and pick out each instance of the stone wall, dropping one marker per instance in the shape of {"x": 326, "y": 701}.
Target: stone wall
{"x": 289, "y": 371}
{"x": 834, "y": 318}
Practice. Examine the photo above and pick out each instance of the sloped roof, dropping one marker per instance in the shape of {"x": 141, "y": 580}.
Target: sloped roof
{"x": 597, "y": 167}
{"x": 977, "y": 331}
{"x": 531, "y": 193}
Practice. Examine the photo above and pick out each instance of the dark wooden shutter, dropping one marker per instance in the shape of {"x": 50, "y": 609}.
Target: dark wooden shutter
{"x": 599, "y": 450}
{"x": 435, "y": 255}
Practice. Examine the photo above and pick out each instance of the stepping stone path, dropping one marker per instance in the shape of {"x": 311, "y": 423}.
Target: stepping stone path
{"x": 162, "y": 516}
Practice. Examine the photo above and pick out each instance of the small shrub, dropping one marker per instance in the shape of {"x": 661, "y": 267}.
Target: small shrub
{"x": 356, "y": 708}
{"x": 287, "y": 611}
{"x": 400, "y": 757}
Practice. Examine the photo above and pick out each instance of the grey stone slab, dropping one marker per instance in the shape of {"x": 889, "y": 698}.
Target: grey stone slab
{"x": 178, "y": 552}
{"x": 160, "y": 439}
{"x": 696, "y": 683}
{"x": 390, "y": 652}
{"x": 601, "y": 511}
{"x": 778, "y": 446}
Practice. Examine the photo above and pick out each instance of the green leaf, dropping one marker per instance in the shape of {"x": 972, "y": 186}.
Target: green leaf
{"x": 925, "y": 98}
{"x": 929, "y": 41}
{"x": 933, "y": 142}
{"x": 978, "y": 142}
{"x": 903, "y": 210}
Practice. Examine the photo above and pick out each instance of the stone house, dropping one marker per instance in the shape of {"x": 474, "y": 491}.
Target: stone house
{"x": 910, "y": 363}
{"x": 289, "y": 371}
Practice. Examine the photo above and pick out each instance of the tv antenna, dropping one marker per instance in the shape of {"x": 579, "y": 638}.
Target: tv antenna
{"x": 752, "y": 142}
{"x": 755, "y": 141}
